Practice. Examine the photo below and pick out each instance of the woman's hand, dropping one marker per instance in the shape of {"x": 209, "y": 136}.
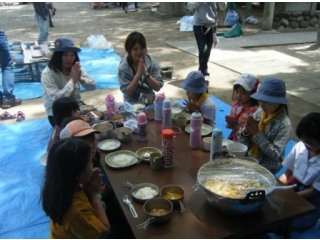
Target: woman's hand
{"x": 141, "y": 70}
{"x": 93, "y": 186}
{"x": 76, "y": 72}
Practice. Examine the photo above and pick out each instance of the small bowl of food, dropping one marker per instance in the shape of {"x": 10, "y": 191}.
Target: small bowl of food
{"x": 158, "y": 208}
{"x": 142, "y": 192}
{"x": 85, "y": 109}
{"x": 173, "y": 193}
{"x": 95, "y": 115}
{"x": 123, "y": 134}
{"x": 145, "y": 153}
{"x": 238, "y": 150}
{"x": 207, "y": 143}
{"x": 105, "y": 129}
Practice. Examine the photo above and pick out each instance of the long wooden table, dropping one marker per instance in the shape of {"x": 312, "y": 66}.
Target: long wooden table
{"x": 200, "y": 220}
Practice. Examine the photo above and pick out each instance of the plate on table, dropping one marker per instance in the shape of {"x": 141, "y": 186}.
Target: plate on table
{"x": 138, "y": 106}
{"x": 109, "y": 145}
{"x": 147, "y": 151}
{"x": 205, "y": 129}
{"x": 175, "y": 110}
{"x": 182, "y": 114}
{"x": 121, "y": 159}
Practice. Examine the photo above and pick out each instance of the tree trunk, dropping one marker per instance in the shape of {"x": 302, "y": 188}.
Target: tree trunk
{"x": 268, "y": 10}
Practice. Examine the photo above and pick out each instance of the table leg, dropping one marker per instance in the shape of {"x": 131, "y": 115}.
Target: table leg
{"x": 37, "y": 72}
{"x": 31, "y": 72}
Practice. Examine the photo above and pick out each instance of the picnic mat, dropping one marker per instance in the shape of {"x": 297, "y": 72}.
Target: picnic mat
{"x": 21, "y": 174}
{"x": 101, "y": 65}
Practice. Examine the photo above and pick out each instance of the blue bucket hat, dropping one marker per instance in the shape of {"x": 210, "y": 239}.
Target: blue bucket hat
{"x": 65, "y": 44}
{"x": 194, "y": 83}
{"x": 272, "y": 90}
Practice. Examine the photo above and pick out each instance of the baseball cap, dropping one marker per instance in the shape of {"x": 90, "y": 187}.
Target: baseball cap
{"x": 76, "y": 128}
{"x": 248, "y": 81}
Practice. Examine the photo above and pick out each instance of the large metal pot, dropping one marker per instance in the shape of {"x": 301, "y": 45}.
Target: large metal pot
{"x": 236, "y": 187}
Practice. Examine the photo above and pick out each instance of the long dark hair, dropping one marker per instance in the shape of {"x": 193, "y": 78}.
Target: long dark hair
{"x": 56, "y": 60}
{"x": 67, "y": 159}
{"x": 309, "y": 126}
{"x": 62, "y": 108}
{"x": 131, "y": 40}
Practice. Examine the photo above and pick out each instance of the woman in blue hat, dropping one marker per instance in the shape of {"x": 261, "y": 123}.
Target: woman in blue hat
{"x": 198, "y": 98}
{"x": 64, "y": 75}
{"x": 269, "y": 129}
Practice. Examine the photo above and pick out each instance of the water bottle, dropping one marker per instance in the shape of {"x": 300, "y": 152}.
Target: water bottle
{"x": 142, "y": 127}
{"x": 195, "y": 130}
{"x": 167, "y": 148}
{"x": 158, "y": 103}
{"x": 110, "y": 106}
{"x": 166, "y": 115}
{"x": 216, "y": 142}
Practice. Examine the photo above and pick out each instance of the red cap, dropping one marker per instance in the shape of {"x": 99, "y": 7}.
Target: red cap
{"x": 167, "y": 133}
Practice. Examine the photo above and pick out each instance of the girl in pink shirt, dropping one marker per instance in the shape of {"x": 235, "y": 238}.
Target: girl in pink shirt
{"x": 243, "y": 105}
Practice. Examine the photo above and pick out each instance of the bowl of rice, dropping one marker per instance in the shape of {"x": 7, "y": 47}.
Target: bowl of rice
{"x": 144, "y": 191}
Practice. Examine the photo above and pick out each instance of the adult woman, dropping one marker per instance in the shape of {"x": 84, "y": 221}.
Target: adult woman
{"x": 138, "y": 73}
{"x": 63, "y": 76}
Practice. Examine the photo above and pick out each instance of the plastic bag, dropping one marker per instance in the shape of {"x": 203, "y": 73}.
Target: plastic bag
{"x": 98, "y": 42}
{"x": 235, "y": 31}
{"x": 232, "y": 18}
{"x": 186, "y": 24}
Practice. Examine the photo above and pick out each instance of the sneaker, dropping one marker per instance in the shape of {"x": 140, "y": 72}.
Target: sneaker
{"x": 9, "y": 103}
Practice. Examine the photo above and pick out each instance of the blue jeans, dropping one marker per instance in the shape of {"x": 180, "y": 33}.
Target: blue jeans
{"x": 43, "y": 28}
{"x": 6, "y": 67}
{"x": 204, "y": 42}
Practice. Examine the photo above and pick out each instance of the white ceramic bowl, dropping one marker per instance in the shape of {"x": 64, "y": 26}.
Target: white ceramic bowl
{"x": 207, "y": 143}
{"x": 239, "y": 150}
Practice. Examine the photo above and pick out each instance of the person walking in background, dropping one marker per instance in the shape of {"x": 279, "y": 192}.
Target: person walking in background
{"x": 204, "y": 27}
{"x": 6, "y": 63}
{"x": 52, "y": 12}
{"x": 42, "y": 13}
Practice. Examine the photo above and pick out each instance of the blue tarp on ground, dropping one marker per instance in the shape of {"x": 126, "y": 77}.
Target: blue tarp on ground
{"x": 101, "y": 65}
{"x": 21, "y": 174}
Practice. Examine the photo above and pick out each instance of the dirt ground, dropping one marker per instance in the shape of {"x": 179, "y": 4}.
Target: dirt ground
{"x": 79, "y": 20}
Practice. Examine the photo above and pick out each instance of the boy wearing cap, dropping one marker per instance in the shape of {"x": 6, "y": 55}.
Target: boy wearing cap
{"x": 268, "y": 130}
{"x": 198, "y": 98}
{"x": 64, "y": 75}
{"x": 243, "y": 105}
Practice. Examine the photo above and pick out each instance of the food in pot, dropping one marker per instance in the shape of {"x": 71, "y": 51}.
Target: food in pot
{"x": 145, "y": 193}
{"x": 172, "y": 196}
{"x": 232, "y": 188}
{"x": 158, "y": 212}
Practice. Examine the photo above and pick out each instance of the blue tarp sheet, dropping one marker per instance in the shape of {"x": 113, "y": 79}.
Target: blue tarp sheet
{"x": 21, "y": 174}
{"x": 101, "y": 65}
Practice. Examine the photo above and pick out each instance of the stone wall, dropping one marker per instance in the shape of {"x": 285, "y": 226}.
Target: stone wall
{"x": 296, "y": 19}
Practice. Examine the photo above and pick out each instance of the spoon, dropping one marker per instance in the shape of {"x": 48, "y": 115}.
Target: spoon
{"x": 127, "y": 201}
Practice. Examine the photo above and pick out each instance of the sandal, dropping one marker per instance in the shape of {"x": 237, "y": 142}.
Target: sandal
{"x": 6, "y": 115}
{"x": 20, "y": 116}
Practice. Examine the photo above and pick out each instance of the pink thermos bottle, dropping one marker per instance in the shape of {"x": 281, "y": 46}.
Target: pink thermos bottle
{"x": 195, "y": 130}
{"x": 142, "y": 127}
{"x": 110, "y": 105}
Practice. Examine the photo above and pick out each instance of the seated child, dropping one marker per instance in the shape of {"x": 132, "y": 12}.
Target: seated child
{"x": 268, "y": 130}
{"x": 198, "y": 99}
{"x": 62, "y": 108}
{"x": 70, "y": 192}
{"x": 243, "y": 105}
{"x": 303, "y": 168}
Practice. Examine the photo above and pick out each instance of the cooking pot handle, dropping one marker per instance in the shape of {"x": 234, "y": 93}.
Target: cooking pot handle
{"x": 254, "y": 196}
